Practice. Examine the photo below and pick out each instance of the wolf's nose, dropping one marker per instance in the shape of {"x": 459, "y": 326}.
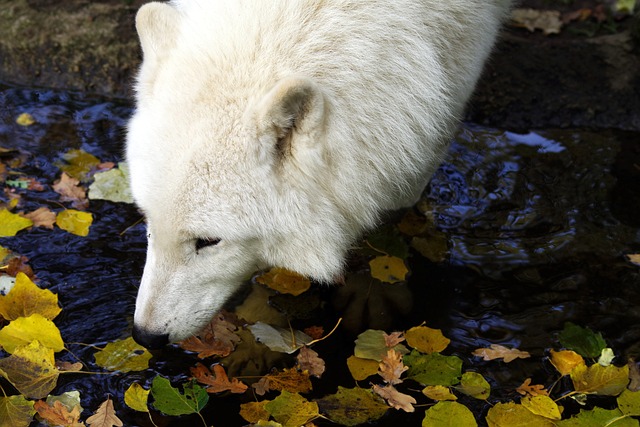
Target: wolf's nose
{"x": 149, "y": 340}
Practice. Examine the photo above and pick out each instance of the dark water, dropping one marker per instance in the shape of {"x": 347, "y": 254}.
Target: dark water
{"x": 536, "y": 227}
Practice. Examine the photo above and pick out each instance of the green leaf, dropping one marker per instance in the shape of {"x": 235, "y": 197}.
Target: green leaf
{"x": 112, "y": 185}
{"x": 629, "y": 402}
{"x": 602, "y": 380}
{"x": 124, "y": 356}
{"x": 352, "y": 406}
{"x": 473, "y": 384}
{"x": 11, "y": 223}
{"x": 583, "y": 341}
{"x": 598, "y": 417}
{"x": 371, "y": 345}
{"x": 513, "y": 415}
{"x": 449, "y": 414}
{"x": 433, "y": 369}
{"x": 170, "y": 401}
{"x": 16, "y": 411}
{"x": 292, "y": 410}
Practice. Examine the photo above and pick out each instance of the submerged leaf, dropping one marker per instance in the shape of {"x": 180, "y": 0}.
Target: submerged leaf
{"x": 473, "y": 384}
{"x": 352, "y": 406}
{"x": 124, "y": 356}
{"x": 582, "y": 340}
{"x": 434, "y": 368}
{"x": 78, "y": 163}
{"x": 25, "y": 119}
{"x": 371, "y": 344}
{"x": 25, "y": 299}
{"x": 284, "y": 281}
{"x": 170, "y": 401}
{"x": 279, "y": 339}
{"x": 449, "y": 414}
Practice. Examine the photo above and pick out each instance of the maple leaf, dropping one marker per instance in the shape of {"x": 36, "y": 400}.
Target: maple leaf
{"x": 497, "y": 351}
{"x": 218, "y": 338}
{"x": 526, "y": 388}
{"x": 70, "y": 191}
{"x": 391, "y": 367}
{"x": 217, "y": 380}
{"x": 394, "y": 398}
{"x": 41, "y": 217}
{"x": 393, "y": 339}
{"x": 58, "y": 414}
{"x": 308, "y": 360}
{"x": 105, "y": 416}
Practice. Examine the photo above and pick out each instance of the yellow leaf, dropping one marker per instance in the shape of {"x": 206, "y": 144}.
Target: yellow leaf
{"x": 25, "y": 119}
{"x": 292, "y": 410}
{"x": 16, "y": 411}
{"x": 543, "y": 406}
{"x": 136, "y": 397}
{"x": 31, "y": 370}
{"x": 362, "y": 369}
{"x": 3, "y": 253}
{"x": 473, "y": 384}
{"x": 24, "y": 330}
{"x": 284, "y": 281}
{"x": 124, "y": 356}
{"x": 449, "y": 414}
{"x": 511, "y": 414}
{"x": 75, "y": 222}
{"x": 11, "y": 223}
{"x": 438, "y": 392}
{"x": 105, "y": 416}
{"x": 389, "y": 269}
{"x": 25, "y": 299}
{"x": 254, "y": 411}
{"x": 426, "y": 340}
{"x": 603, "y": 380}
{"x": 564, "y": 361}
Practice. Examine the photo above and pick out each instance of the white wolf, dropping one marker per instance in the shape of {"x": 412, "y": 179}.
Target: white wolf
{"x": 275, "y": 132}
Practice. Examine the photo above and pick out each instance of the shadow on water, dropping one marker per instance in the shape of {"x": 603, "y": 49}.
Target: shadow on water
{"x": 536, "y": 227}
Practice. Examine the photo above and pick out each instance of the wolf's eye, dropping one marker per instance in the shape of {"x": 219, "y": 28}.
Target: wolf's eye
{"x": 203, "y": 243}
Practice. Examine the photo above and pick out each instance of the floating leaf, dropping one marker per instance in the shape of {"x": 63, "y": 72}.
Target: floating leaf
{"x": 496, "y": 351}
{"x": 629, "y": 402}
{"x": 438, "y": 392}
{"x": 292, "y": 410}
{"x": 70, "y": 191}
{"x": 393, "y": 339}
{"x": 543, "y": 406}
{"x": 391, "y": 367}
{"x": 352, "y": 406}
{"x": 218, "y": 338}
{"x": 58, "y": 414}
{"x": 254, "y": 411}
{"x": 24, "y": 330}
{"x": 394, "y": 398}
{"x": 388, "y": 269}
{"x": 217, "y": 380}
{"x": 473, "y": 384}
{"x": 31, "y": 370}
{"x": 291, "y": 380}
{"x": 308, "y": 360}
{"x": 549, "y": 21}
{"x": 124, "y": 356}
{"x": 16, "y": 411}
{"x": 284, "y": 281}
{"x": 136, "y": 398}
{"x": 279, "y": 339}
{"x": 633, "y": 258}
{"x": 426, "y": 340}
{"x": 75, "y": 222}
{"x": 170, "y": 401}
{"x": 361, "y": 368}
{"x": 511, "y": 414}
{"x": 531, "y": 389}
{"x": 449, "y": 414}
{"x": 105, "y": 416}
{"x": 603, "y": 380}
{"x": 70, "y": 399}
{"x": 598, "y": 417}
{"x": 112, "y": 185}
{"x": 371, "y": 344}
{"x": 25, "y": 119}
{"x": 564, "y": 361}
{"x": 41, "y": 217}
{"x": 11, "y": 223}
{"x": 606, "y": 357}
{"x": 434, "y": 368}
{"x": 25, "y": 299}
{"x": 582, "y": 340}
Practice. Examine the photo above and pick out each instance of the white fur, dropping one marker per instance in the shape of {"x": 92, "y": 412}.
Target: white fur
{"x": 285, "y": 128}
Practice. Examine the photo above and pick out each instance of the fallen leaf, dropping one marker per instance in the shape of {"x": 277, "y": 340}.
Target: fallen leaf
{"x": 513, "y": 414}
{"x": 583, "y": 341}
{"x": 633, "y": 258}
{"x": 24, "y": 330}
{"x": 438, "y": 392}
{"x": 473, "y": 384}
{"x": 433, "y": 369}
{"x": 70, "y": 191}
{"x": 105, "y": 416}
{"x": 394, "y": 398}
{"x": 170, "y": 401}
{"x": 124, "y": 356}
{"x": 362, "y": 369}
{"x": 352, "y": 406}
{"x": 68, "y": 366}
{"x": 284, "y": 281}
{"x": 602, "y": 380}
{"x": 549, "y": 21}
{"x": 25, "y": 119}
{"x": 112, "y": 185}
{"x": 31, "y": 370}
{"x": 391, "y": 367}
{"x": 218, "y": 338}
{"x": 78, "y": 164}
{"x": 217, "y": 380}
{"x": 262, "y": 386}
{"x": 543, "y": 406}
{"x": 393, "y": 339}
{"x": 25, "y": 299}
{"x": 371, "y": 344}
{"x": 41, "y": 217}
{"x": 18, "y": 264}
{"x": 136, "y": 398}
{"x": 565, "y": 360}
{"x": 388, "y": 269}
{"x": 292, "y": 410}
{"x": 58, "y": 414}
{"x": 308, "y": 360}
{"x": 75, "y": 222}
{"x": 315, "y": 332}
{"x": 279, "y": 339}
{"x": 11, "y": 223}
{"x": 598, "y": 417}
{"x": 449, "y": 414}
{"x": 533, "y": 390}
{"x": 629, "y": 402}
{"x": 426, "y": 340}
{"x": 291, "y": 380}
{"x": 16, "y": 411}
{"x": 496, "y": 351}
{"x": 254, "y": 411}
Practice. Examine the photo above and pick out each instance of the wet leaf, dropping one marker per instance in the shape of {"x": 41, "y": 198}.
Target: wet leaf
{"x": 16, "y": 411}
{"x": 25, "y": 119}
{"x": 284, "y": 281}
{"x": 124, "y": 356}
{"x": 58, "y": 414}
{"x": 438, "y": 392}
{"x": 75, "y": 222}
{"x": 496, "y": 351}
{"x": 394, "y": 398}
{"x": 308, "y": 360}
{"x": 254, "y": 411}
{"x": 371, "y": 344}
{"x": 426, "y": 340}
{"x": 388, "y": 269}
{"x": 18, "y": 264}
{"x": 4, "y": 252}
{"x": 634, "y": 375}
{"x": 292, "y": 410}
{"x": 598, "y": 417}
{"x": 78, "y": 163}
{"x": 136, "y": 398}
{"x": 352, "y": 406}
{"x": 543, "y": 406}
{"x": 582, "y": 340}
{"x": 548, "y": 21}
{"x": 170, "y": 401}
{"x": 526, "y": 388}
{"x": 279, "y": 339}
{"x": 112, "y": 185}
{"x": 105, "y": 416}
{"x": 68, "y": 366}
{"x": 11, "y": 223}
{"x": 434, "y": 368}
{"x": 391, "y": 367}
{"x": 387, "y": 240}
{"x": 601, "y": 380}
{"x": 217, "y": 379}
{"x": 291, "y": 380}
{"x": 25, "y": 299}
{"x": 629, "y": 402}
{"x": 564, "y": 361}
{"x": 41, "y": 217}
{"x": 218, "y": 338}
{"x": 606, "y": 357}
{"x": 70, "y": 399}
{"x": 70, "y": 191}
{"x": 514, "y": 415}
{"x": 473, "y": 384}
{"x": 393, "y": 339}
{"x": 24, "y": 330}
{"x": 449, "y": 414}
{"x": 362, "y": 369}
{"x": 31, "y": 370}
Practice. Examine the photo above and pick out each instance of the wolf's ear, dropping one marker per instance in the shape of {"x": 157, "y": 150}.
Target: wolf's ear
{"x": 157, "y": 26}
{"x": 294, "y": 112}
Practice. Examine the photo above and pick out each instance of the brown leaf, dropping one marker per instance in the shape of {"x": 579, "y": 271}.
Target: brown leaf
{"x": 58, "y": 414}
{"x": 19, "y": 265}
{"x": 497, "y": 351}
{"x": 68, "y": 366}
{"x": 532, "y": 390}
{"x": 291, "y": 380}
{"x": 41, "y": 217}
{"x": 262, "y": 386}
{"x": 216, "y": 339}
{"x": 393, "y": 339}
{"x": 254, "y": 411}
{"x": 394, "y": 398}
{"x": 391, "y": 367}
{"x": 308, "y": 360}
{"x": 315, "y": 332}
{"x": 217, "y": 380}
{"x": 105, "y": 416}
{"x": 70, "y": 191}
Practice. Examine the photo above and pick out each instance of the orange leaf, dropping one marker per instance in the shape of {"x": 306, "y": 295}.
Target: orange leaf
{"x": 284, "y": 281}
{"x": 105, "y": 416}
{"x": 391, "y": 367}
{"x": 218, "y": 380}
{"x": 532, "y": 390}
{"x": 216, "y": 339}
{"x": 564, "y": 361}
{"x": 58, "y": 414}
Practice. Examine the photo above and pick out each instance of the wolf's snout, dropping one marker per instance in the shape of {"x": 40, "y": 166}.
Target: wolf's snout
{"x": 148, "y": 339}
